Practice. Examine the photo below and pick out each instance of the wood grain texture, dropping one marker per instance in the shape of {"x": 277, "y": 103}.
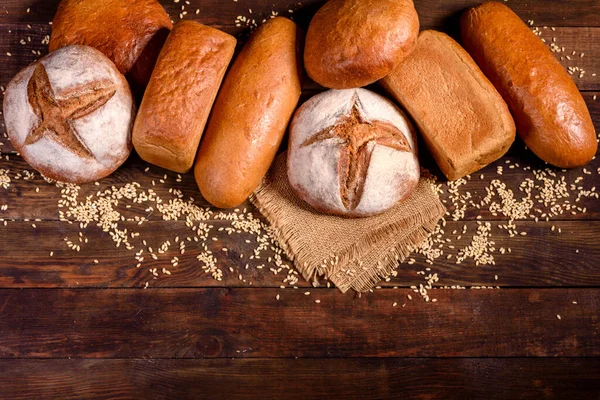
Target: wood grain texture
{"x": 301, "y": 379}
{"x": 432, "y": 13}
{"x": 216, "y": 323}
{"x": 190, "y": 336}
{"x": 542, "y": 258}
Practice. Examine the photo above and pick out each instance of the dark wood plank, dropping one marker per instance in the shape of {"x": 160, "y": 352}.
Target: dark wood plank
{"x": 561, "y": 378}
{"x": 216, "y": 323}
{"x": 432, "y": 13}
{"x": 542, "y": 258}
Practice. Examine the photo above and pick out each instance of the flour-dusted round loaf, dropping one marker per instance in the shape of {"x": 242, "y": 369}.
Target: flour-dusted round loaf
{"x": 352, "y": 153}
{"x": 353, "y": 43}
{"x": 70, "y": 115}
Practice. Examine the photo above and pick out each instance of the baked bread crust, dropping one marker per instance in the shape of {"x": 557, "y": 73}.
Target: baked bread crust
{"x": 353, "y": 43}
{"x": 180, "y": 95}
{"x": 551, "y": 115}
{"x": 70, "y": 115}
{"x": 121, "y": 29}
{"x": 251, "y": 114}
{"x": 352, "y": 153}
{"x": 463, "y": 119}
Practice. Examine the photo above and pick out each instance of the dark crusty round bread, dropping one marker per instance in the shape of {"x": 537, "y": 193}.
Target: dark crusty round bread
{"x": 550, "y": 113}
{"x": 180, "y": 95}
{"x": 70, "y": 115}
{"x": 121, "y": 29}
{"x": 353, "y": 43}
{"x": 352, "y": 153}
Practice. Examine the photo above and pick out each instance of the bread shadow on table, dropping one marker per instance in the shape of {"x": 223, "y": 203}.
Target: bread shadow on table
{"x": 142, "y": 70}
{"x": 451, "y": 24}
{"x": 303, "y": 15}
{"x": 40, "y": 7}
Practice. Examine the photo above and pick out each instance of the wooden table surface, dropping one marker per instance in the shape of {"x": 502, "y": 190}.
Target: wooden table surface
{"x": 83, "y": 318}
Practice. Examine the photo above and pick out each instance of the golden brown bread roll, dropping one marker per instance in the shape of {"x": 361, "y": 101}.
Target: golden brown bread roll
{"x": 180, "y": 95}
{"x": 550, "y": 113}
{"x": 250, "y": 116}
{"x": 353, "y": 43}
{"x": 463, "y": 119}
{"x": 121, "y": 29}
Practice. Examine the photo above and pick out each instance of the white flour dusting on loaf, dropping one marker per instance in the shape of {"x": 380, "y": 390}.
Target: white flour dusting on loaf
{"x": 314, "y": 169}
{"x": 72, "y": 72}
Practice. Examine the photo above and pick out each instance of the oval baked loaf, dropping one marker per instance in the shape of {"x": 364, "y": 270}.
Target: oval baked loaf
{"x": 551, "y": 115}
{"x": 251, "y": 114}
{"x": 352, "y": 153}
{"x": 70, "y": 115}
{"x": 353, "y": 43}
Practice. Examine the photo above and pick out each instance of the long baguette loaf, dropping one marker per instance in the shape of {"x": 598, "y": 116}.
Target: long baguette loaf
{"x": 251, "y": 114}
{"x": 550, "y": 113}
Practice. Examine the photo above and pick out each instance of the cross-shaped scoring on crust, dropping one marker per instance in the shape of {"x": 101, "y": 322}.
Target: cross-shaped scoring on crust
{"x": 56, "y": 116}
{"x": 355, "y": 133}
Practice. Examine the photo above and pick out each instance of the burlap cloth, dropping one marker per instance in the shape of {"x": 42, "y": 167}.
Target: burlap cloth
{"x": 351, "y": 253}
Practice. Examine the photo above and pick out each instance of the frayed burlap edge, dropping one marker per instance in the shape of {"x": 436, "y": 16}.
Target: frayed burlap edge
{"x": 396, "y": 255}
{"x": 422, "y": 225}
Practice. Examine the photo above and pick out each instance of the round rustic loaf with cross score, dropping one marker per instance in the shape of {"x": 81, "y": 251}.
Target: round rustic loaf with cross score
{"x": 352, "y": 153}
{"x": 70, "y": 115}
